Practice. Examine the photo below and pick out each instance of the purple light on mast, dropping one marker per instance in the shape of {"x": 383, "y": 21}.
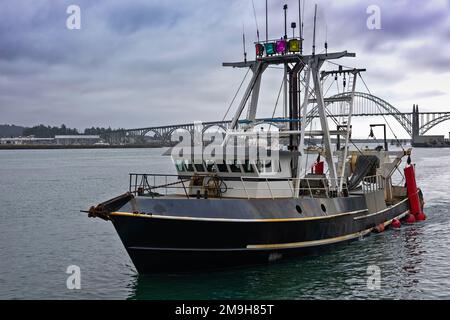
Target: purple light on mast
{"x": 281, "y": 46}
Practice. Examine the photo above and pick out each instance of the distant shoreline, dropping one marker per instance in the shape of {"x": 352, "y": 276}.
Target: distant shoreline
{"x": 49, "y": 147}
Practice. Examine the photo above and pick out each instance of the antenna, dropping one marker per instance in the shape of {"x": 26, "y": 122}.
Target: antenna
{"x": 285, "y": 7}
{"x": 326, "y": 39}
{"x": 300, "y": 18}
{"x": 303, "y": 17}
{"x": 267, "y": 25}
{"x": 256, "y": 21}
{"x": 314, "y": 32}
{"x": 243, "y": 42}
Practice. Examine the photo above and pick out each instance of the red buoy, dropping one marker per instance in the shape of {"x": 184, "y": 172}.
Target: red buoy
{"x": 421, "y": 217}
{"x": 410, "y": 218}
{"x": 396, "y": 224}
{"x": 413, "y": 194}
{"x": 379, "y": 228}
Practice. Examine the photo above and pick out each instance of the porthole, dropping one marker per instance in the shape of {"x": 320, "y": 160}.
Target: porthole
{"x": 322, "y": 206}
{"x": 299, "y": 209}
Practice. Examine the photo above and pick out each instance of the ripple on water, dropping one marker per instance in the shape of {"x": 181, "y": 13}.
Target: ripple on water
{"x": 42, "y": 232}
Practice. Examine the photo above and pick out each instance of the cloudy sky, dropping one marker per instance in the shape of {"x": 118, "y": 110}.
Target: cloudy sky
{"x": 140, "y": 63}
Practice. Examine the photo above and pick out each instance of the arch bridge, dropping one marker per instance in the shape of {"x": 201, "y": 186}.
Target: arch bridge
{"x": 415, "y": 123}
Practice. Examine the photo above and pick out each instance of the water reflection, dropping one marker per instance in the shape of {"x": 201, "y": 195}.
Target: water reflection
{"x": 412, "y": 259}
{"x": 337, "y": 273}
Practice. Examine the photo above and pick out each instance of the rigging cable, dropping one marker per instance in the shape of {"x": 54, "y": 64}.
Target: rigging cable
{"x": 328, "y": 88}
{"x": 276, "y": 103}
{"x": 235, "y": 95}
{"x": 378, "y": 107}
{"x": 390, "y": 128}
{"x": 336, "y": 120}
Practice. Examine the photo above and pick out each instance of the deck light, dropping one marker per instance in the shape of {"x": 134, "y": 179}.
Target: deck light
{"x": 259, "y": 49}
{"x": 281, "y": 46}
{"x": 270, "y": 48}
{"x": 294, "y": 45}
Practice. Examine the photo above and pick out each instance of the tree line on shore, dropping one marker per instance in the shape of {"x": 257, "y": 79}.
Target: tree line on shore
{"x": 42, "y": 131}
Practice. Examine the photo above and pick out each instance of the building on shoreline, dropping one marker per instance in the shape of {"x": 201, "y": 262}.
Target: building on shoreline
{"x": 27, "y": 141}
{"x": 431, "y": 141}
{"x": 61, "y": 140}
{"x": 67, "y": 140}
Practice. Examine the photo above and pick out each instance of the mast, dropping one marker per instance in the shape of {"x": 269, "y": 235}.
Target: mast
{"x": 315, "y": 67}
{"x": 267, "y": 24}
{"x": 285, "y": 93}
{"x": 257, "y": 68}
{"x": 294, "y": 116}
{"x": 349, "y": 125}
{"x": 243, "y": 42}
{"x": 300, "y": 19}
{"x": 293, "y": 63}
{"x": 314, "y": 31}
{"x": 301, "y": 146}
{"x": 285, "y": 89}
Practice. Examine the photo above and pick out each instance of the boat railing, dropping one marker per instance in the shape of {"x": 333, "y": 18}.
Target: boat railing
{"x": 312, "y": 187}
{"x": 322, "y": 187}
{"x": 212, "y": 185}
{"x": 373, "y": 183}
{"x": 158, "y": 184}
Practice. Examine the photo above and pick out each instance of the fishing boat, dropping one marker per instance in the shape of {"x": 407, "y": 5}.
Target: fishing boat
{"x": 259, "y": 202}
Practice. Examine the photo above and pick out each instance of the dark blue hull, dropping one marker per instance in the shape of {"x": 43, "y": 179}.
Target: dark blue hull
{"x": 169, "y": 243}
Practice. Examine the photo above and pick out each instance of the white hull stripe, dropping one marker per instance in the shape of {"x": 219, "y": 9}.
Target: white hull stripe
{"x": 378, "y": 212}
{"x": 140, "y": 215}
{"x": 314, "y": 243}
{"x": 156, "y": 216}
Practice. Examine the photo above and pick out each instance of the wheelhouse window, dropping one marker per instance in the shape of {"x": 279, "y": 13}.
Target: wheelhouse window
{"x": 222, "y": 167}
{"x": 188, "y": 167}
{"x": 209, "y": 165}
{"x": 179, "y": 165}
{"x": 235, "y": 166}
{"x": 199, "y": 167}
{"x": 274, "y": 166}
{"x": 268, "y": 166}
{"x": 248, "y": 167}
{"x": 259, "y": 166}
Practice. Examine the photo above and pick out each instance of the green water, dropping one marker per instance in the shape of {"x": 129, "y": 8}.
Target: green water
{"x": 42, "y": 232}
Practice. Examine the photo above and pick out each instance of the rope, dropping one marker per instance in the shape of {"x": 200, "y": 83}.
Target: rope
{"x": 276, "y": 103}
{"x": 235, "y": 95}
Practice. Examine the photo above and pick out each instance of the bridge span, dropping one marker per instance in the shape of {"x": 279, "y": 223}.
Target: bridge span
{"x": 415, "y": 123}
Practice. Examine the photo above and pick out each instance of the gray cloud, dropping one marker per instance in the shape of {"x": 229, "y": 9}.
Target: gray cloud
{"x": 141, "y": 63}
{"x": 430, "y": 93}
